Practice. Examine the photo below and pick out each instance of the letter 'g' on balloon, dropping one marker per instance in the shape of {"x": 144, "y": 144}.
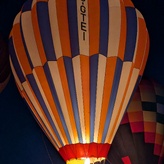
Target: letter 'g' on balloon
{"x": 76, "y": 63}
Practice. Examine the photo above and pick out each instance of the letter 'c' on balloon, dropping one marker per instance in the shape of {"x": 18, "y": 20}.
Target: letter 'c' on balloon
{"x": 77, "y": 63}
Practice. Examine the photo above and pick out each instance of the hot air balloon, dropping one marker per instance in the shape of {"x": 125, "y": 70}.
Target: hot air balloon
{"x": 76, "y": 63}
{"x": 4, "y": 64}
{"x": 140, "y": 137}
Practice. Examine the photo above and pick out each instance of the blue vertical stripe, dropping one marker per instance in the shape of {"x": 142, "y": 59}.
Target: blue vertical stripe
{"x": 93, "y": 89}
{"x": 27, "y": 6}
{"x": 104, "y": 27}
{"x": 35, "y": 88}
{"x": 116, "y": 81}
{"x": 56, "y": 101}
{"x": 72, "y": 89}
{"x": 15, "y": 61}
{"x": 131, "y": 33}
{"x": 73, "y": 27}
{"x": 45, "y": 30}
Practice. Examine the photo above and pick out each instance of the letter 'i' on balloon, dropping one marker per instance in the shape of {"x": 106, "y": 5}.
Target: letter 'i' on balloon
{"x": 77, "y": 63}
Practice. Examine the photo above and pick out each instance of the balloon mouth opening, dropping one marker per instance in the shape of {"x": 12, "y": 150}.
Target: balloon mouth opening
{"x": 90, "y": 160}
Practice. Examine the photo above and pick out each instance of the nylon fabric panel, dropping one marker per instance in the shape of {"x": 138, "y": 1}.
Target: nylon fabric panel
{"x": 73, "y": 27}
{"x": 21, "y": 53}
{"x": 131, "y": 86}
{"x": 104, "y": 27}
{"x": 54, "y": 28}
{"x": 79, "y": 93}
{"x": 48, "y": 99}
{"x": 15, "y": 62}
{"x": 93, "y": 90}
{"x": 30, "y": 40}
{"x": 62, "y": 14}
{"x": 112, "y": 98}
{"x": 17, "y": 80}
{"x": 125, "y": 75}
{"x": 108, "y": 82}
{"x": 131, "y": 34}
{"x": 94, "y": 26}
{"x": 54, "y": 80}
{"x": 71, "y": 83}
{"x": 141, "y": 44}
{"x": 40, "y": 47}
{"x": 114, "y": 30}
{"x": 45, "y": 30}
{"x": 68, "y": 109}
{"x": 123, "y": 32}
{"x": 40, "y": 106}
{"x": 99, "y": 94}
{"x": 85, "y": 75}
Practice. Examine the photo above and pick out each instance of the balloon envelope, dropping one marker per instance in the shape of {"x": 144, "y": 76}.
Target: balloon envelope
{"x": 76, "y": 64}
{"x": 140, "y": 137}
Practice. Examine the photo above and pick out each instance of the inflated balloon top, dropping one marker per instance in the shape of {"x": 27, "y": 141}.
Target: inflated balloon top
{"x": 76, "y": 63}
{"x": 4, "y": 64}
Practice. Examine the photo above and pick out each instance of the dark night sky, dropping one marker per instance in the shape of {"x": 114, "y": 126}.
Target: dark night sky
{"x": 21, "y": 140}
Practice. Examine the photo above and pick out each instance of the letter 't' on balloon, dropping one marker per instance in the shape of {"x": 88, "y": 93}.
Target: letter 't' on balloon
{"x": 76, "y": 63}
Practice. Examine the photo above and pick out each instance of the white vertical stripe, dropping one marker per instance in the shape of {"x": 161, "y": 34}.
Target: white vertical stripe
{"x": 99, "y": 94}
{"x": 47, "y": 105}
{"x": 131, "y": 85}
{"x": 83, "y": 27}
{"x": 54, "y": 28}
{"x": 78, "y": 85}
{"x": 113, "y": 3}
{"x": 17, "y": 19}
{"x": 60, "y": 93}
{"x": 30, "y": 38}
{"x": 38, "y": 109}
{"x": 114, "y": 31}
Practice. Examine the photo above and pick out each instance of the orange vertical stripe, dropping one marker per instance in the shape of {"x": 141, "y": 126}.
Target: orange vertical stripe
{"x": 121, "y": 49}
{"x": 37, "y": 35}
{"x": 44, "y": 84}
{"x": 84, "y": 62}
{"x": 128, "y": 3}
{"x": 21, "y": 54}
{"x": 94, "y": 26}
{"x": 65, "y": 87}
{"x": 141, "y": 43}
{"x": 108, "y": 84}
{"x": 61, "y": 6}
